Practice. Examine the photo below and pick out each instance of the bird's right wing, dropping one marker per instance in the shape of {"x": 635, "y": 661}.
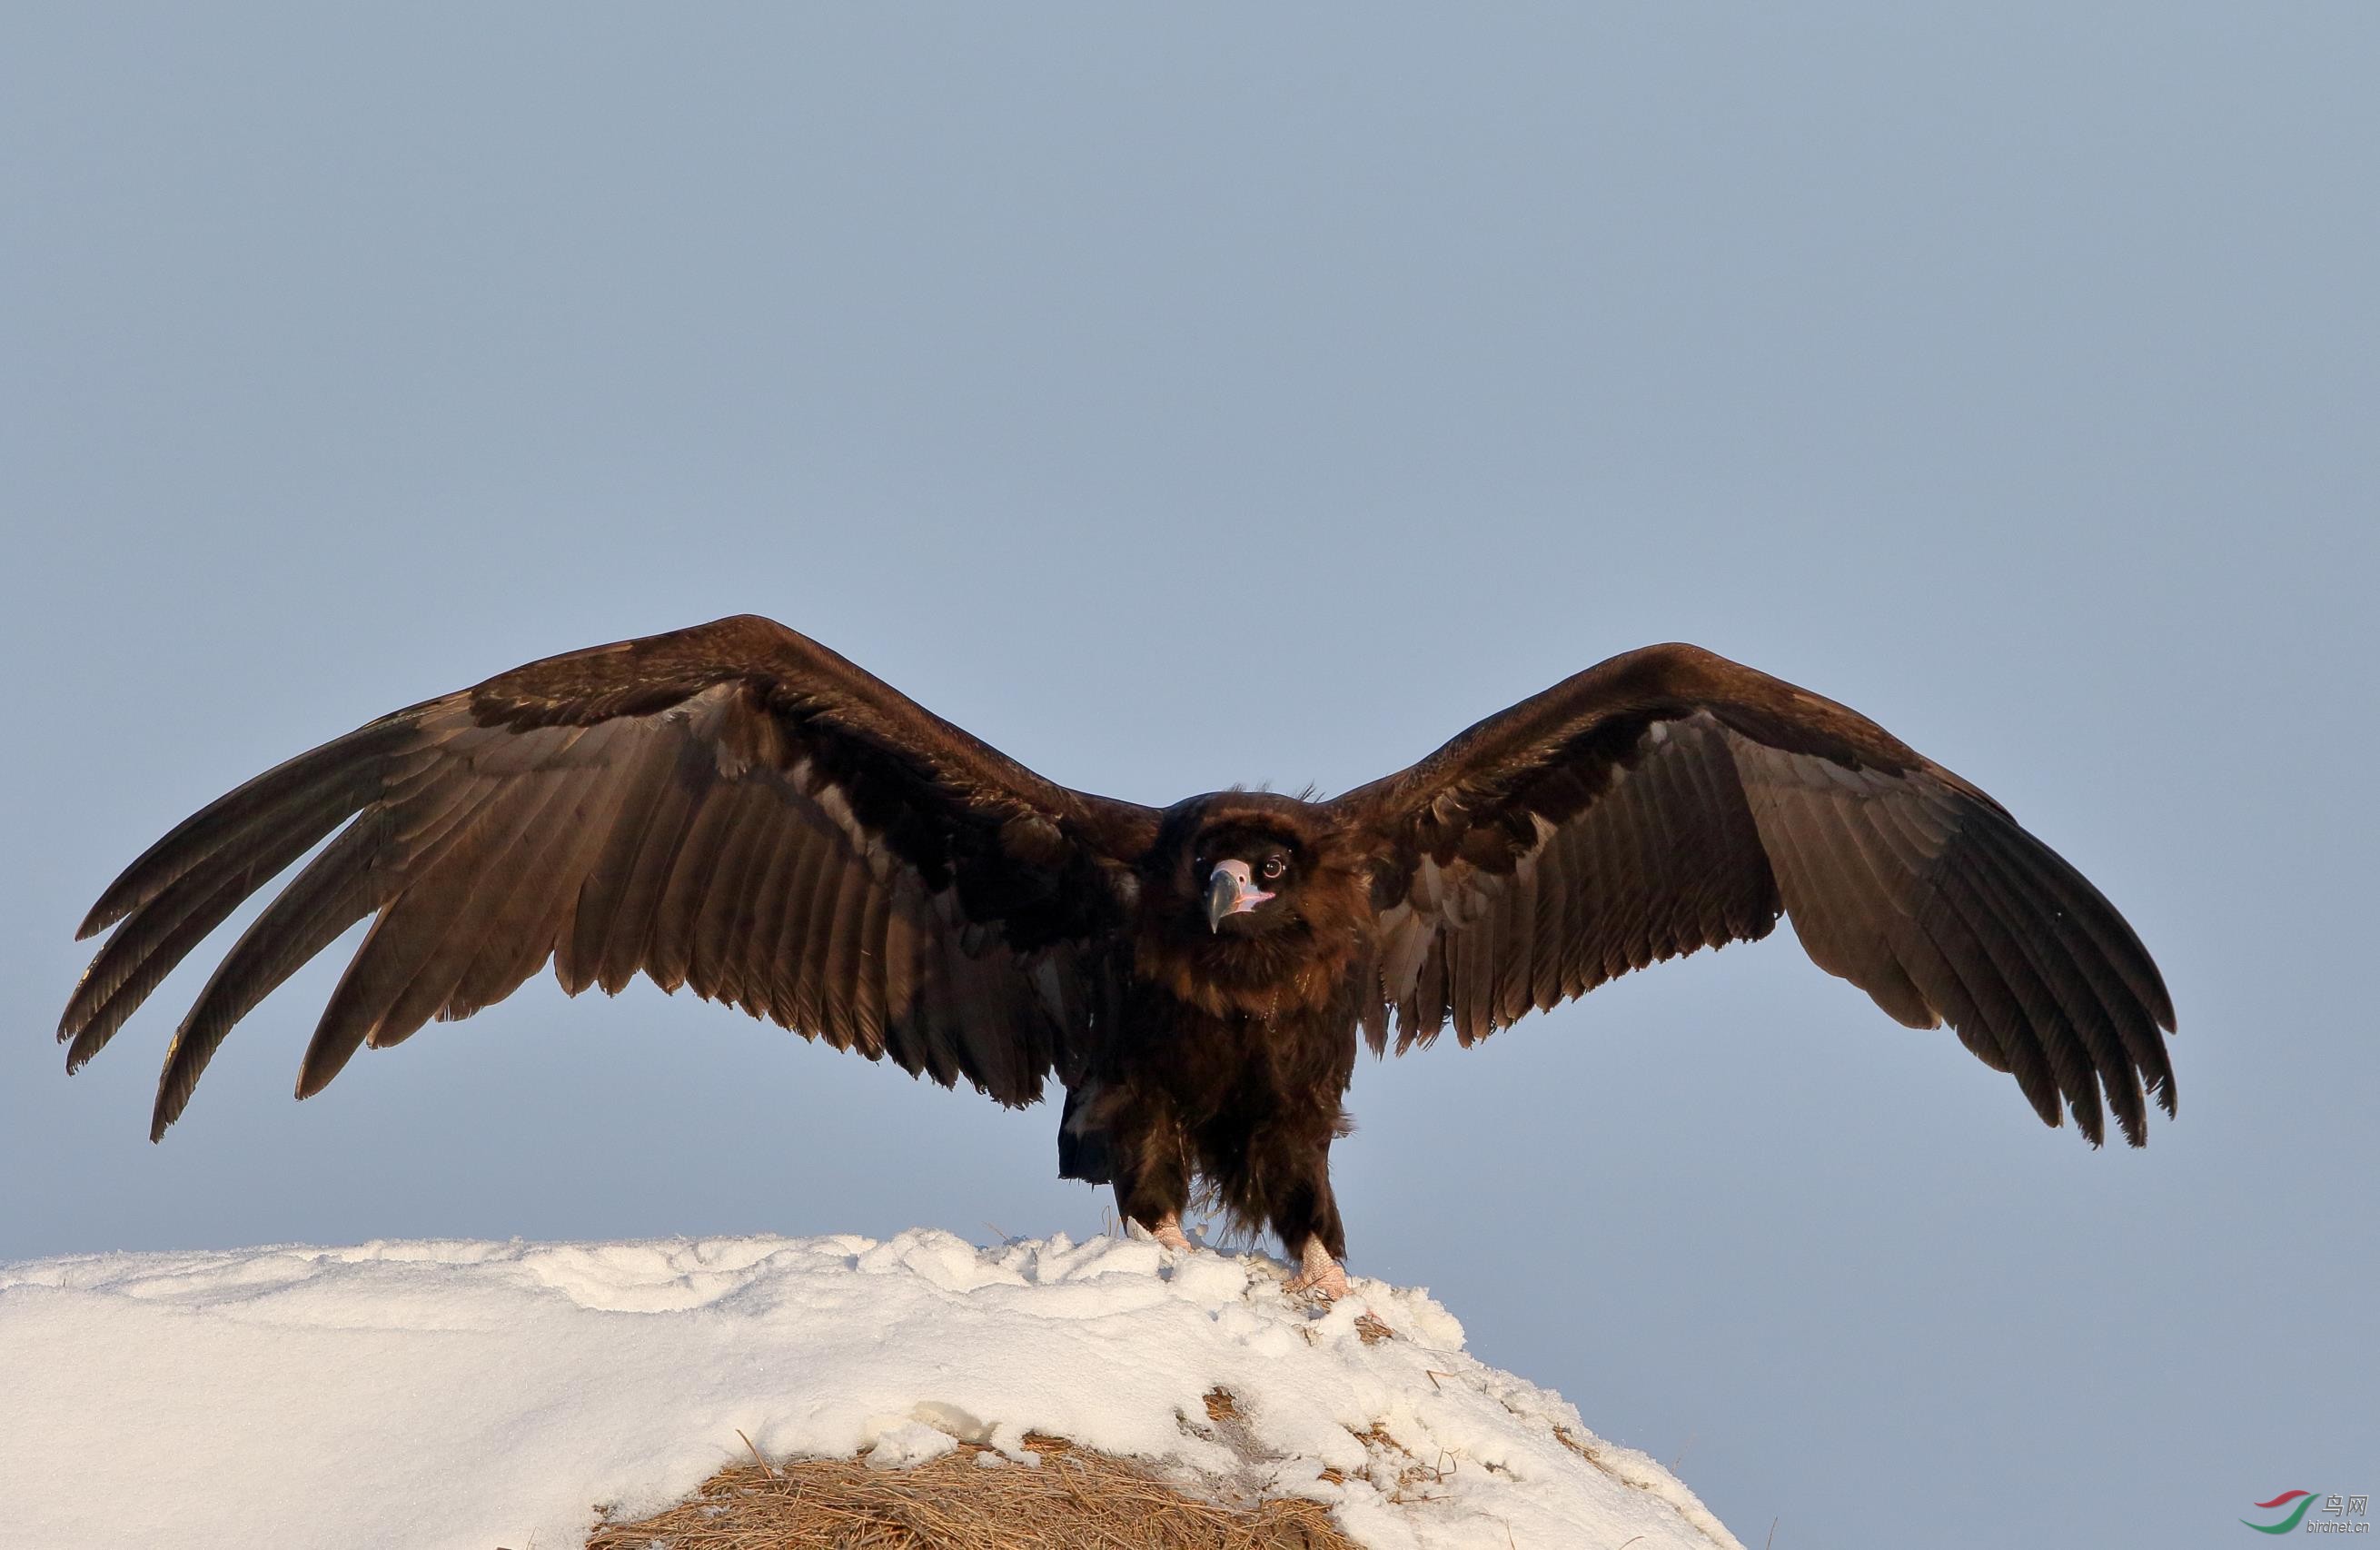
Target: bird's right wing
{"x": 732, "y": 808}
{"x": 1671, "y": 800}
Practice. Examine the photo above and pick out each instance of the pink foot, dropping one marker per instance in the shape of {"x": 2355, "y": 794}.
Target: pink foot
{"x": 1168, "y": 1234}
{"x": 1323, "y": 1275}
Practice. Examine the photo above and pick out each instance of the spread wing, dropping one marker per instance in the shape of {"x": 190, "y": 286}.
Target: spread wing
{"x": 732, "y": 808}
{"x": 1670, "y": 800}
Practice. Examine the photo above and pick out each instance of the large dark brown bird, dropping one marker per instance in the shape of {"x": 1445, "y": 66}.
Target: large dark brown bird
{"x": 737, "y": 809}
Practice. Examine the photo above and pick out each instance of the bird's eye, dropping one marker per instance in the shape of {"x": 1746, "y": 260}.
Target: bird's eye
{"x": 1274, "y": 865}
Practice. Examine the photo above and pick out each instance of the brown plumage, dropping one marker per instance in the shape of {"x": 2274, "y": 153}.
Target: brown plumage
{"x": 735, "y": 808}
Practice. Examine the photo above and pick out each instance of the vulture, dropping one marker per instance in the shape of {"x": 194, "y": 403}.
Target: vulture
{"x": 738, "y": 810}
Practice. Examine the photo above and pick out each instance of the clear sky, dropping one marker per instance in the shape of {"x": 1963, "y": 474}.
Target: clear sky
{"x": 2014, "y": 378}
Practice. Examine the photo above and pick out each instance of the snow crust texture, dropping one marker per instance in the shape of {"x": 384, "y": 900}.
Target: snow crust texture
{"x": 484, "y": 1395}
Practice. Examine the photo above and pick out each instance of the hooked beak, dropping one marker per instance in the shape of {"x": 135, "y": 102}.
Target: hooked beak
{"x": 1231, "y": 890}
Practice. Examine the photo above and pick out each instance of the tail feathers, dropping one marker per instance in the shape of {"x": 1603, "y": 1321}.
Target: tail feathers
{"x": 1086, "y": 1146}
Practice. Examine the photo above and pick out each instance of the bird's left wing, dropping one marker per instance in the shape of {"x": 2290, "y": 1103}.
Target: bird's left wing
{"x": 1670, "y": 800}
{"x": 733, "y": 807}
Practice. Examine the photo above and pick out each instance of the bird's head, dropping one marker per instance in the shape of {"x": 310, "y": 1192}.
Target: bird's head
{"x": 1239, "y": 873}
{"x": 1236, "y": 863}
{"x": 1232, "y": 885}
{"x": 1247, "y": 892}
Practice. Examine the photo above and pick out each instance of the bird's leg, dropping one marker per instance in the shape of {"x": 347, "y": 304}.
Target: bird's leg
{"x": 1321, "y": 1275}
{"x": 1319, "y": 1267}
{"x": 1305, "y": 1212}
{"x": 1152, "y": 1177}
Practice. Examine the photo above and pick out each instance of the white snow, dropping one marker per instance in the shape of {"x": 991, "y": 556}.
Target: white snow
{"x": 478, "y": 1395}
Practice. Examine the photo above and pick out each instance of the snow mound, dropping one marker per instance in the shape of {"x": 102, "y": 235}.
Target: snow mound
{"x": 477, "y": 1395}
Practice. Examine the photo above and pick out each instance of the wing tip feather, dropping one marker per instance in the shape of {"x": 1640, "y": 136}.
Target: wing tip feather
{"x": 169, "y": 1105}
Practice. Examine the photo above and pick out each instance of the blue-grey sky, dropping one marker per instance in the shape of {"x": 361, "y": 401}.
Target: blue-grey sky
{"x": 2012, "y": 376}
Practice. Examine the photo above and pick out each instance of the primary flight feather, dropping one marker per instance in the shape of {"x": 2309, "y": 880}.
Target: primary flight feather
{"x": 738, "y": 810}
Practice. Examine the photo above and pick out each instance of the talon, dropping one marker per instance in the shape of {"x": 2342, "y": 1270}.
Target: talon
{"x": 1168, "y": 1233}
{"x": 1321, "y": 1275}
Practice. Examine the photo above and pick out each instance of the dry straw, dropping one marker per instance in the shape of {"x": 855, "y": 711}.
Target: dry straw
{"x": 1077, "y": 1500}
